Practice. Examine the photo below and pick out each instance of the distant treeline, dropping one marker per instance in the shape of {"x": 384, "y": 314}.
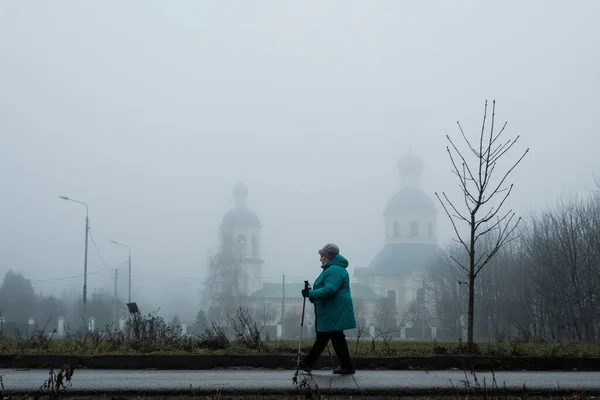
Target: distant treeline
{"x": 543, "y": 286}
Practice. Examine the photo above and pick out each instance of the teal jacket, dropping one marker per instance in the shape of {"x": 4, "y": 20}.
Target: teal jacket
{"x": 331, "y": 296}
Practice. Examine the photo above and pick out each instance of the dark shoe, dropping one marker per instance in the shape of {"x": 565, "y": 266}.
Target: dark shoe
{"x": 344, "y": 371}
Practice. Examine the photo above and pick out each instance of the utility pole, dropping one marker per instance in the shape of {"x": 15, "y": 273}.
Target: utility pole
{"x": 116, "y": 306}
{"x": 129, "y": 276}
{"x": 87, "y": 230}
{"x": 129, "y": 262}
{"x": 283, "y": 309}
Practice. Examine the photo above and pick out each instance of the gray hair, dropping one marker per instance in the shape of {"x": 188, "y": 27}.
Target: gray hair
{"x": 329, "y": 251}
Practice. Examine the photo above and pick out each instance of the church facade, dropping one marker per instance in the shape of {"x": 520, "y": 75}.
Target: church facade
{"x": 277, "y": 304}
{"x": 410, "y": 245}
{"x": 240, "y": 236}
{"x": 395, "y": 276}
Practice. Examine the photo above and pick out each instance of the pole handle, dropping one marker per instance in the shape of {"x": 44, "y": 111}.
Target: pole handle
{"x": 306, "y": 285}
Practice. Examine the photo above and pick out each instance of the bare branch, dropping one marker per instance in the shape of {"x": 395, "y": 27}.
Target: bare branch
{"x": 490, "y": 174}
{"x": 461, "y": 176}
{"x": 467, "y": 195}
{"x": 469, "y": 201}
{"x": 491, "y": 215}
{"x": 510, "y": 144}
{"x": 456, "y": 170}
{"x": 486, "y": 176}
{"x": 457, "y": 213}
{"x": 483, "y": 254}
{"x": 499, "y": 149}
{"x": 466, "y": 140}
{"x": 495, "y": 224}
{"x": 505, "y": 236}
{"x": 466, "y": 165}
{"x": 500, "y": 133}
{"x": 493, "y": 211}
{"x": 452, "y": 220}
{"x": 508, "y": 173}
{"x": 459, "y": 263}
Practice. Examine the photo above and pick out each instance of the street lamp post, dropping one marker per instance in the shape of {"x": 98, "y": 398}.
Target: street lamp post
{"x": 87, "y": 228}
{"x": 128, "y": 248}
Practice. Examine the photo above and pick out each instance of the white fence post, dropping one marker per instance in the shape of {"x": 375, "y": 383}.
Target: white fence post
{"x": 61, "y": 327}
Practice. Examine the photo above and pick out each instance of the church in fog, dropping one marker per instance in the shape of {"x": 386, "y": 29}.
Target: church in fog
{"x": 240, "y": 232}
{"x": 395, "y": 275}
{"x": 240, "y": 235}
{"x": 410, "y": 244}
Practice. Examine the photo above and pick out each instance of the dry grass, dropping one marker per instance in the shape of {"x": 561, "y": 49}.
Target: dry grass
{"x": 151, "y": 335}
{"x": 95, "y": 346}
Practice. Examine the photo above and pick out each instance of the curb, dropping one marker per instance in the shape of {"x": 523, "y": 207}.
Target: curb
{"x": 358, "y": 393}
{"x": 204, "y": 362}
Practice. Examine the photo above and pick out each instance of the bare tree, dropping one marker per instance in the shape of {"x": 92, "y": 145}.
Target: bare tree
{"x": 360, "y": 314}
{"x": 221, "y": 286}
{"x": 442, "y": 285}
{"x": 484, "y": 197}
{"x": 385, "y": 315}
{"x": 538, "y": 288}
{"x": 563, "y": 250}
{"x": 265, "y": 314}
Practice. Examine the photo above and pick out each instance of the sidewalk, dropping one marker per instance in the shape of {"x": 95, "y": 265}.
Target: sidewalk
{"x": 282, "y": 361}
{"x": 86, "y": 382}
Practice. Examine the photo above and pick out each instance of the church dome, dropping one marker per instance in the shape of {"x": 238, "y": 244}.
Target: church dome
{"x": 240, "y": 215}
{"x": 410, "y": 163}
{"x": 403, "y": 259}
{"x": 410, "y": 200}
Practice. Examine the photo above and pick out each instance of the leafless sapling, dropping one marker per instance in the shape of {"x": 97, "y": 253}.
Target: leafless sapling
{"x": 484, "y": 191}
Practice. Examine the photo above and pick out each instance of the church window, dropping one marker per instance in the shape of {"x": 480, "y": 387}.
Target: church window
{"x": 396, "y": 229}
{"x": 254, "y": 245}
{"x": 241, "y": 240}
{"x": 391, "y": 296}
{"x": 421, "y": 296}
{"x": 414, "y": 229}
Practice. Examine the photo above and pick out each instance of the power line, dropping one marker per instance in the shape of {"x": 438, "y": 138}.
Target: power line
{"x": 67, "y": 277}
{"x": 148, "y": 277}
{"x": 98, "y": 251}
{"x": 55, "y": 284}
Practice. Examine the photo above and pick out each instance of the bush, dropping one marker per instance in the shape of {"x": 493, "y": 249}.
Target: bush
{"x": 214, "y": 338}
{"x": 246, "y": 329}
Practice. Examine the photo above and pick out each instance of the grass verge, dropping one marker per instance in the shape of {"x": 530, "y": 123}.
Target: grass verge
{"x": 194, "y": 345}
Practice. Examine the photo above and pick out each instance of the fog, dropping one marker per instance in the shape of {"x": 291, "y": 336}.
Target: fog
{"x": 151, "y": 112}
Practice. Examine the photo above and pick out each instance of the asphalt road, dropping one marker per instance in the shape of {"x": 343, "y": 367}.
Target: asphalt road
{"x": 148, "y": 381}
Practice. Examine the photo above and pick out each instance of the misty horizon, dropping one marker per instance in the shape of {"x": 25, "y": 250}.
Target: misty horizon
{"x": 152, "y": 113}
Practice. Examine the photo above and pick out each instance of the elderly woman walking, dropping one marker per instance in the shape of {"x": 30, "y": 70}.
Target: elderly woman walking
{"x": 334, "y": 311}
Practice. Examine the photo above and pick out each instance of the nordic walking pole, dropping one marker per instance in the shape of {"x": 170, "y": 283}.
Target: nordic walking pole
{"x": 306, "y": 287}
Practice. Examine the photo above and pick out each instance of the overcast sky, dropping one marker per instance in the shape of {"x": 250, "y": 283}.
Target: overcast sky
{"x": 151, "y": 112}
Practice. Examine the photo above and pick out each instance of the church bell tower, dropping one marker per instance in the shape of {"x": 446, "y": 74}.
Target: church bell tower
{"x": 240, "y": 235}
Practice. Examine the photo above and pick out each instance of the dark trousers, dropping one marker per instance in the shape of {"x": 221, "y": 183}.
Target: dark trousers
{"x": 338, "y": 340}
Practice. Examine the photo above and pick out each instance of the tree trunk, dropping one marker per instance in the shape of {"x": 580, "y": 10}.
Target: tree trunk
{"x": 470, "y": 343}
